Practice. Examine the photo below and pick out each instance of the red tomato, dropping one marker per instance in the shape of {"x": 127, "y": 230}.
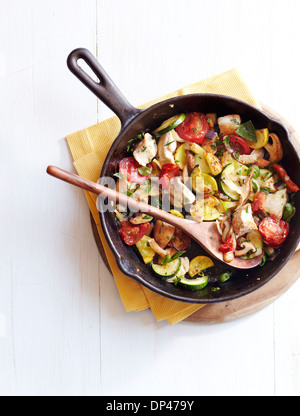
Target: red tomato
{"x": 259, "y": 202}
{"x": 227, "y": 247}
{"x": 132, "y": 234}
{"x": 129, "y": 168}
{"x": 239, "y": 145}
{"x": 273, "y": 231}
{"x": 194, "y": 128}
{"x": 181, "y": 241}
{"x": 168, "y": 171}
{"x": 285, "y": 178}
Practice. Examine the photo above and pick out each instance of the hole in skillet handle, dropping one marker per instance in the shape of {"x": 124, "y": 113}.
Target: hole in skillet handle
{"x": 105, "y": 89}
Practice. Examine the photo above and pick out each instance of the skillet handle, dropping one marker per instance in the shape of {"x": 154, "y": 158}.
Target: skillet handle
{"x": 105, "y": 89}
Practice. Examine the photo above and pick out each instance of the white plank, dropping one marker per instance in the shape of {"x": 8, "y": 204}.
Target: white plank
{"x": 50, "y": 268}
{"x": 65, "y": 329}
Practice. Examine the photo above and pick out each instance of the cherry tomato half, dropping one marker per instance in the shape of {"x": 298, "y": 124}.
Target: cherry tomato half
{"x": 274, "y": 232}
{"x": 132, "y": 234}
{"x": 228, "y": 246}
{"x": 168, "y": 172}
{"x": 129, "y": 167}
{"x": 193, "y": 128}
{"x": 239, "y": 145}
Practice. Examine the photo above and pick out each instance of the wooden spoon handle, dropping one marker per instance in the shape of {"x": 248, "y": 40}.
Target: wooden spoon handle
{"x": 133, "y": 204}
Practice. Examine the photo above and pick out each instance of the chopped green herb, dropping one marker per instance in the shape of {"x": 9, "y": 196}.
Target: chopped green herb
{"x": 168, "y": 144}
{"x": 144, "y": 171}
{"x": 247, "y": 131}
{"x": 120, "y": 175}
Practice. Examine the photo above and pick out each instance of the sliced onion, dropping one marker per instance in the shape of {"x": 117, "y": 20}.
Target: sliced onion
{"x": 211, "y": 135}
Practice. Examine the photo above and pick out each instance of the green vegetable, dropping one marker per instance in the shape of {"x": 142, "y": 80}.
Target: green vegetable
{"x": 256, "y": 171}
{"x": 144, "y": 171}
{"x": 255, "y": 238}
{"x": 168, "y": 258}
{"x": 288, "y": 211}
{"x": 167, "y": 270}
{"x": 263, "y": 261}
{"x": 247, "y": 131}
{"x": 229, "y": 172}
{"x": 172, "y": 126}
{"x": 194, "y": 284}
{"x": 225, "y": 276}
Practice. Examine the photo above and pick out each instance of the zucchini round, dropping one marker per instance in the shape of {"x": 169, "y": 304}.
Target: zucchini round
{"x": 169, "y": 125}
{"x": 198, "y": 264}
{"x": 228, "y": 171}
{"x": 194, "y": 284}
{"x": 167, "y": 270}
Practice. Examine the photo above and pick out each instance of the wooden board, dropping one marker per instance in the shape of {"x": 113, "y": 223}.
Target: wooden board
{"x": 255, "y": 301}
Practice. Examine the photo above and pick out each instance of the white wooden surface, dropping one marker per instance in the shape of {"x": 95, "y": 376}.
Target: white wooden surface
{"x": 63, "y": 329}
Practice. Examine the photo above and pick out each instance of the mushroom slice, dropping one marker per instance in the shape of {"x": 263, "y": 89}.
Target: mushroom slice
{"x": 163, "y": 233}
{"x": 160, "y": 251}
{"x": 246, "y": 247}
{"x": 246, "y": 190}
{"x": 141, "y": 219}
{"x": 274, "y": 149}
{"x": 146, "y": 150}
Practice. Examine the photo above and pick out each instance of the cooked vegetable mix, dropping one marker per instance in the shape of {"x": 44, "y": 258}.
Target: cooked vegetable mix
{"x": 207, "y": 168}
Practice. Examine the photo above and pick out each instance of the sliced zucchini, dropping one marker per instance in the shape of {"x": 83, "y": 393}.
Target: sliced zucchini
{"x": 202, "y": 182}
{"x": 180, "y": 157}
{"x": 240, "y": 169}
{"x": 262, "y": 137}
{"x": 255, "y": 238}
{"x": 205, "y": 209}
{"x": 167, "y": 270}
{"x": 177, "y": 213}
{"x": 226, "y": 206}
{"x": 169, "y": 125}
{"x": 194, "y": 284}
{"x": 198, "y": 264}
{"x": 229, "y": 172}
{"x": 145, "y": 250}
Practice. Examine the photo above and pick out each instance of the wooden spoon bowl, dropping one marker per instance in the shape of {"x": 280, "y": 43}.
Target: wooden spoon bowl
{"x": 205, "y": 234}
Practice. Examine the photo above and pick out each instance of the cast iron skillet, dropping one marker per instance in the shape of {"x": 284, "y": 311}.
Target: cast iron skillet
{"x": 133, "y": 121}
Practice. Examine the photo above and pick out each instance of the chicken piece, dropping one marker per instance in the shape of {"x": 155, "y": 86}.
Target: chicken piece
{"x": 229, "y": 124}
{"x": 163, "y": 233}
{"x": 275, "y": 203}
{"x": 166, "y": 149}
{"x": 180, "y": 194}
{"x": 243, "y": 221}
{"x": 146, "y": 150}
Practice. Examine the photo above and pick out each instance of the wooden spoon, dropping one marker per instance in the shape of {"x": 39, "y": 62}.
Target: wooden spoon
{"x": 205, "y": 233}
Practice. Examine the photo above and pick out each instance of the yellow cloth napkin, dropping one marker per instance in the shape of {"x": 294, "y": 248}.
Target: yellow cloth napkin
{"x": 89, "y": 148}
